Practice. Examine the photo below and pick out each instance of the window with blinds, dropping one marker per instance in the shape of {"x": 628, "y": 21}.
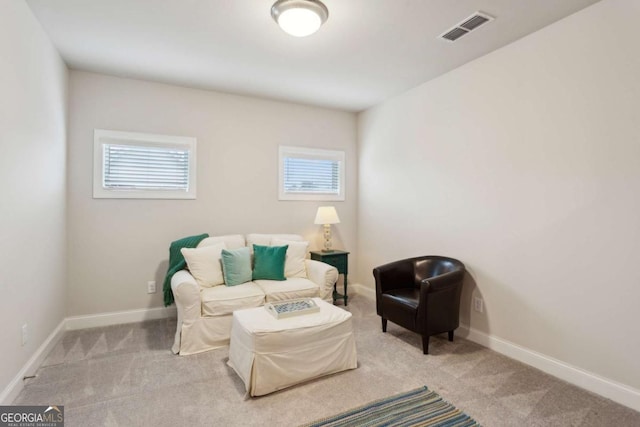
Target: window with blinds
{"x": 136, "y": 165}
{"x": 311, "y": 174}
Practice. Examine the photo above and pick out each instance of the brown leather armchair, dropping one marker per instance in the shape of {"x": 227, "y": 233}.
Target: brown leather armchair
{"x": 421, "y": 294}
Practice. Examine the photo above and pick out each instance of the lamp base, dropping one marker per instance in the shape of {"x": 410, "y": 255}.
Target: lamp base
{"x": 327, "y": 238}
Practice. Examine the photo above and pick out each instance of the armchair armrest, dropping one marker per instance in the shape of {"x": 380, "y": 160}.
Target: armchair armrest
{"x": 440, "y": 296}
{"x": 324, "y": 275}
{"x": 186, "y": 293}
{"x": 437, "y": 283}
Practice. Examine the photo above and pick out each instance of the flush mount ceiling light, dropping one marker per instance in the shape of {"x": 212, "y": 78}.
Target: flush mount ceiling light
{"x": 299, "y": 18}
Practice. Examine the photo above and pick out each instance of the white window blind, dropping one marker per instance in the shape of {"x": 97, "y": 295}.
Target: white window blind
{"x": 138, "y": 165}
{"x": 311, "y": 174}
{"x": 145, "y": 168}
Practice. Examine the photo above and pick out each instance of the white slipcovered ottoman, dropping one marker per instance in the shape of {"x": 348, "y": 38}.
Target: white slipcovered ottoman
{"x": 270, "y": 354}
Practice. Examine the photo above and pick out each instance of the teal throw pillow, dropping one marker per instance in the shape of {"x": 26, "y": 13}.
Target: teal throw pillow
{"x": 268, "y": 262}
{"x": 236, "y": 266}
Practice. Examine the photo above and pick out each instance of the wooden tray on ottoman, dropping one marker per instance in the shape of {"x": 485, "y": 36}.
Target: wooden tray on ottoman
{"x": 290, "y": 308}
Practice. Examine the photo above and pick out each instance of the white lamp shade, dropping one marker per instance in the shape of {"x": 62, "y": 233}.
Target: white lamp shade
{"x": 327, "y": 215}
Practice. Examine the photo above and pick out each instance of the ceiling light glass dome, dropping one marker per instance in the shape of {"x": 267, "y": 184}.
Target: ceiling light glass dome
{"x": 299, "y": 18}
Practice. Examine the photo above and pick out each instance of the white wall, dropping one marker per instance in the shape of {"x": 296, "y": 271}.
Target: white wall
{"x": 33, "y": 84}
{"x": 524, "y": 164}
{"x": 117, "y": 245}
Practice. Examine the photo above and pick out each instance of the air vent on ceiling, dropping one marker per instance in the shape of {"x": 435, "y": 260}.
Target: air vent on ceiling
{"x": 466, "y": 26}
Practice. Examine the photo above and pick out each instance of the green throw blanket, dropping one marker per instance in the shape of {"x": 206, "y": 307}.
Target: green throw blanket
{"x": 177, "y": 262}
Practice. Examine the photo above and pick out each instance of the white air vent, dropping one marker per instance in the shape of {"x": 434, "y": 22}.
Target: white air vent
{"x": 466, "y": 26}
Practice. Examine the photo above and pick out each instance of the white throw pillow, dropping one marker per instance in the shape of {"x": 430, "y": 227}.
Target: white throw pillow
{"x": 232, "y": 241}
{"x": 205, "y": 264}
{"x": 294, "y": 265}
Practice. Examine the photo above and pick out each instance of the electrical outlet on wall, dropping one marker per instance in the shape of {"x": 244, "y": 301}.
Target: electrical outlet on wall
{"x": 151, "y": 287}
{"x": 478, "y": 304}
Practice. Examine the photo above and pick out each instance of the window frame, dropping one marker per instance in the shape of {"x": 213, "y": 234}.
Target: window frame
{"x": 285, "y": 151}
{"x": 138, "y": 139}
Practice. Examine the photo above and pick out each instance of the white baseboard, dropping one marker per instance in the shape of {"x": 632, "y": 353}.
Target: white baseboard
{"x": 610, "y": 389}
{"x": 14, "y": 388}
{"x": 613, "y": 390}
{"x": 119, "y": 317}
{"x": 363, "y": 290}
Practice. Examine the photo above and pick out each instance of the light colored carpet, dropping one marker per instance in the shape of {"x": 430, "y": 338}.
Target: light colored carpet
{"x": 125, "y": 375}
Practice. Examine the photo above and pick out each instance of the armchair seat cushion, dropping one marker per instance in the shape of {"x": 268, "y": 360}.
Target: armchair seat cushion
{"x": 222, "y": 300}
{"x": 401, "y": 305}
{"x": 408, "y": 297}
{"x": 294, "y": 287}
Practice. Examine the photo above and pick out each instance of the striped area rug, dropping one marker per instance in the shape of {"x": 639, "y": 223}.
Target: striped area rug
{"x": 419, "y": 407}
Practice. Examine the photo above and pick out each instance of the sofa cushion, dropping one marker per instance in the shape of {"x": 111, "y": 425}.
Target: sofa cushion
{"x": 288, "y": 289}
{"x": 268, "y": 262}
{"x": 294, "y": 263}
{"x": 221, "y": 300}
{"x": 232, "y": 241}
{"x": 204, "y": 264}
{"x": 236, "y": 266}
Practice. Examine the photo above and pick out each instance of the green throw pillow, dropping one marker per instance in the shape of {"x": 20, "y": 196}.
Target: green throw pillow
{"x": 236, "y": 266}
{"x": 268, "y": 262}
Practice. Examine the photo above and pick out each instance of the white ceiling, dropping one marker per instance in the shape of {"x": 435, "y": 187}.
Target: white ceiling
{"x": 367, "y": 51}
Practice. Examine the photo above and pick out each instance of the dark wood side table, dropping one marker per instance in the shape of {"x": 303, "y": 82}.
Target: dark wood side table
{"x": 340, "y": 260}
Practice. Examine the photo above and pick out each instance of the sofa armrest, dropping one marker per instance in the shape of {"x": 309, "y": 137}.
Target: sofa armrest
{"x": 324, "y": 275}
{"x": 186, "y": 293}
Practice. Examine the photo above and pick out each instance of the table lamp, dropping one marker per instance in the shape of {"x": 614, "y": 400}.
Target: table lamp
{"x": 326, "y": 216}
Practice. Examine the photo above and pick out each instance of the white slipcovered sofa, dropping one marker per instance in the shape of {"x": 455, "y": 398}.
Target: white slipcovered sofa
{"x": 205, "y": 314}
